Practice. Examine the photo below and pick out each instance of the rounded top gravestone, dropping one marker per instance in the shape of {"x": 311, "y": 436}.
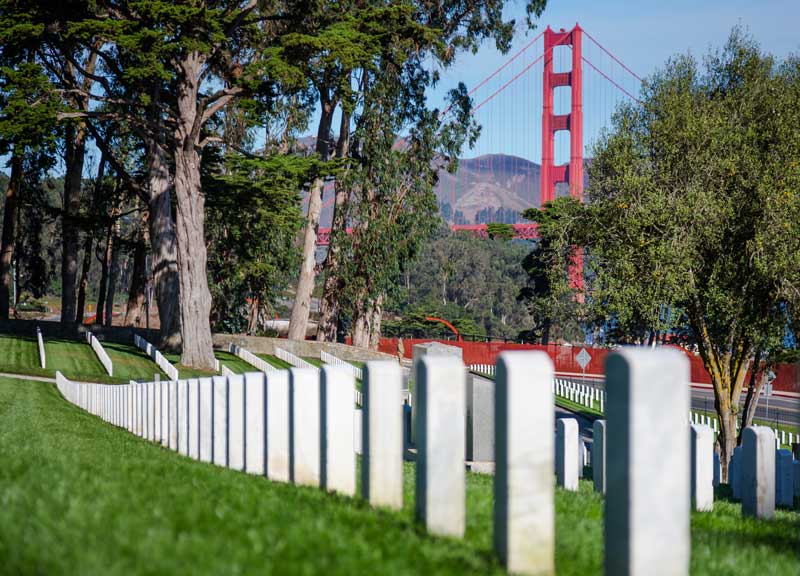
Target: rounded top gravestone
{"x": 435, "y": 349}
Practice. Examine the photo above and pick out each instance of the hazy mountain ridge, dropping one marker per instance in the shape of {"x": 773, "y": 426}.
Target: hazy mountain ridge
{"x": 481, "y": 185}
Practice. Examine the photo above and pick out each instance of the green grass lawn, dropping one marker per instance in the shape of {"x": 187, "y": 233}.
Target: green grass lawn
{"x": 236, "y": 364}
{"x": 314, "y": 361}
{"x": 78, "y": 496}
{"x": 76, "y": 360}
{"x": 274, "y": 360}
{"x": 130, "y": 363}
{"x": 20, "y": 356}
{"x": 185, "y": 371}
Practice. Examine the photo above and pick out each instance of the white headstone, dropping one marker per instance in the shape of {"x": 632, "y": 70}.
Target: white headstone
{"x": 441, "y": 443}
{"x": 278, "y": 425}
{"x": 382, "y": 435}
{"x": 151, "y": 411}
{"x": 758, "y": 472}
{"x": 524, "y": 509}
{"x": 173, "y": 414}
{"x": 236, "y": 416}
{"x": 599, "y": 455}
{"x": 647, "y": 473}
{"x": 165, "y": 407}
{"x": 194, "y": 418}
{"x": 567, "y": 454}
{"x": 183, "y": 417}
{"x": 796, "y": 478}
{"x": 220, "y": 420}
{"x": 702, "y": 467}
{"x": 141, "y": 409}
{"x": 206, "y": 387}
{"x": 337, "y": 450}
{"x": 358, "y": 431}
{"x": 419, "y": 351}
{"x": 129, "y": 408}
{"x": 254, "y": 419}
{"x": 784, "y": 486}
{"x": 157, "y": 418}
{"x": 735, "y": 473}
{"x": 304, "y": 412}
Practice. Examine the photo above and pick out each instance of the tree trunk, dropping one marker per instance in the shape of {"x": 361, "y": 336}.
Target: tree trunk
{"x": 195, "y": 301}
{"x": 758, "y": 378}
{"x": 113, "y": 279}
{"x": 9, "y": 235}
{"x": 361, "y": 319}
{"x": 74, "y": 156}
{"x": 329, "y": 306}
{"x": 375, "y": 328}
{"x": 367, "y": 323}
{"x": 88, "y": 246}
{"x": 105, "y": 263}
{"x": 727, "y": 436}
{"x": 252, "y": 323}
{"x": 728, "y": 370}
{"x": 135, "y": 310}
{"x": 164, "y": 246}
{"x": 298, "y": 324}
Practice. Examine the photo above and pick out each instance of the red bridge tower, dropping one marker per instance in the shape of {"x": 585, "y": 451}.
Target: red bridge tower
{"x": 572, "y": 122}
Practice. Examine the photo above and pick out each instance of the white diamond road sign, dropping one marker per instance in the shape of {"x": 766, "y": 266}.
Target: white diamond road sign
{"x": 583, "y": 358}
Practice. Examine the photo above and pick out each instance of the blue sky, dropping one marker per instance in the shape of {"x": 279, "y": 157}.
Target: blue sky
{"x": 643, "y": 34}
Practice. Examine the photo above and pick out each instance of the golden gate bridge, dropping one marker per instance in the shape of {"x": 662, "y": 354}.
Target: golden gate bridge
{"x": 560, "y": 86}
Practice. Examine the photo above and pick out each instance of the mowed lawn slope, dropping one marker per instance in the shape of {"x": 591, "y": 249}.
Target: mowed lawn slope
{"x": 78, "y": 495}
{"x": 130, "y": 363}
{"x": 75, "y": 360}
{"x": 236, "y": 364}
{"x": 19, "y": 355}
{"x": 274, "y": 360}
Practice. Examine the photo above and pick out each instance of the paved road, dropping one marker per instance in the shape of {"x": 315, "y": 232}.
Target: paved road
{"x": 776, "y": 409}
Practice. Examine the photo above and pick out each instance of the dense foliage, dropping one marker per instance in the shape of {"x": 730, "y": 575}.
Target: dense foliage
{"x": 471, "y": 282}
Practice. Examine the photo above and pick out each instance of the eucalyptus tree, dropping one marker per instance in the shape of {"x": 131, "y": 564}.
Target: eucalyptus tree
{"x": 439, "y": 30}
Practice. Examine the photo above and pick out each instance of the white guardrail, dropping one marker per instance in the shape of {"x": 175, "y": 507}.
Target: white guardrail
{"x": 102, "y": 355}
{"x": 295, "y": 361}
{"x": 156, "y": 356}
{"x": 251, "y": 358}
{"x": 331, "y": 359}
{"x": 42, "y": 357}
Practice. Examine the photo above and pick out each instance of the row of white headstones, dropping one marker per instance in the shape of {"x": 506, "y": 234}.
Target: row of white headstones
{"x": 297, "y": 426}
